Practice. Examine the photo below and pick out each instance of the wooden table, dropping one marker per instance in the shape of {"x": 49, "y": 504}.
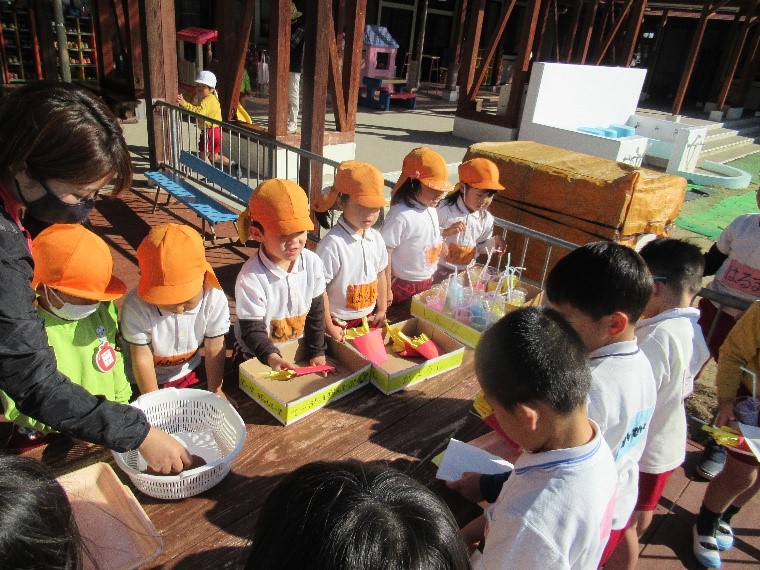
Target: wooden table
{"x": 404, "y": 430}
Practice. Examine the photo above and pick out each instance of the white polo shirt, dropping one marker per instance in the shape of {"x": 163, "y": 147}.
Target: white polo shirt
{"x": 740, "y": 273}
{"x": 621, "y": 400}
{"x": 265, "y": 292}
{"x": 464, "y": 246}
{"x": 554, "y": 511}
{"x": 676, "y": 349}
{"x": 174, "y": 339}
{"x": 414, "y": 236}
{"x": 352, "y": 263}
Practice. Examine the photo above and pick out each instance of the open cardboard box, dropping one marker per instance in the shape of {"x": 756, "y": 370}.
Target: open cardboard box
{"x": 291, "y": 400}
{"x": 460, "y": 331}
{"x": 115, "y": 530}
{"x": 399, "y": 372}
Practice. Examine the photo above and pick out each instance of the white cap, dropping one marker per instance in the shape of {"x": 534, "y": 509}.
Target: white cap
{"x": 206, "y": 78}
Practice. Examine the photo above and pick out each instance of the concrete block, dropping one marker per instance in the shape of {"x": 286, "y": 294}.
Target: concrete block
{"x": 716, "y": 116}
{"x": 734, "y": 113}
{"x": 710, "y": 107}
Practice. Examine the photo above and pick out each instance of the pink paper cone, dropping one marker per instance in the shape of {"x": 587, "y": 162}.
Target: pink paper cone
{"x": 429, "y": 350}
{"x": 371, "y": 345}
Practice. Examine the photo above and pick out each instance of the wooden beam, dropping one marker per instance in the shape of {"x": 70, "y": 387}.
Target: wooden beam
{"x": 588, "y": 30}
{"x": 573, "y": 31}
{"x": 356, "y": 11}
{"x": 335, "y": 85}
{"x": 749, "y": 69}
{"x": 696, "y": 44}
{"x": 522, "y": 65}
{"x": 455, "y": 49}
{"x": 654, "y": 55}
{"x": 134, "y": 49}
{"x": 555, "y": 29}
{"x": 319, "y": 25}
{"x": 543, "y": 17}
{"x": 160, "y": 64}
{"x": 491, "y": 46}
{"x": 617, "y": 24}
{"x": 632, "y": 31}
{"x": 737, "y": 54}
{"x": 279, "y": 63}
{"x": 470, "y": 55}
{"x": 234, "y": 33}
{"x": 733, "y": 34}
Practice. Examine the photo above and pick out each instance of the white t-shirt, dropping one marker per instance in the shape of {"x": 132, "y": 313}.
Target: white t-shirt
{"x": 676, "y": 349}
{"x": 621, "y": 401}
{"x": 464, "y": 246}
{"x": 740, "y": 273}
{"x": 554, "y": 511}
{"x": 174, "y": 339}
{"x": 352, "y": 263}
{"x": 265, "y": 292}
{"x": 414, "y": 236}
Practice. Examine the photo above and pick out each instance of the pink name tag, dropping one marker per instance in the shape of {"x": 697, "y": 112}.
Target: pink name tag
{"x": 742, "y": 278}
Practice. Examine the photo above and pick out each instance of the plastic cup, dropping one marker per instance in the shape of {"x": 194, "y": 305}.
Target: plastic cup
{"x": 518, "y": 297}
{"x": 463, "y": 316}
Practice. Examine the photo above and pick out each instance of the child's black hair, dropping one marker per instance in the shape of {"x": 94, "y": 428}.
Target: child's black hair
{"x": 533, "y": 355}
{"x": 601, "y": 278}
{"x": 452, "y": 198}
{"x": 677, "y": 263}
{"x": 407, "y": 193}
{"x": 345, "y": 515}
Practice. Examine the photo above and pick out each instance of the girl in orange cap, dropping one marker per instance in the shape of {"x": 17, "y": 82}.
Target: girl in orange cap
{"x": 411, "y": 230}
{"x": 76, "y": 288}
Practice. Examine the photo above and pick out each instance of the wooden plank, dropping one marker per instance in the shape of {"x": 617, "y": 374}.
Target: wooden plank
{"x": 279, "y": 63}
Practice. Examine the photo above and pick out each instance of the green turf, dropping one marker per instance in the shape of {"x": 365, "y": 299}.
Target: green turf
{"x": 710, "y": 222}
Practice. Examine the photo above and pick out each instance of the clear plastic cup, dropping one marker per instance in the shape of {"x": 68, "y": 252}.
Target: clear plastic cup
{"x": 518, "y": 297}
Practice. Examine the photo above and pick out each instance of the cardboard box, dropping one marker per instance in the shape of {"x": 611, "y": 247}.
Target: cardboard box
{"x": 399, "y": 372}
{"x": 117, "y": 532}
{"x": 460, "y": 331}
{"x": 291, "y": 400}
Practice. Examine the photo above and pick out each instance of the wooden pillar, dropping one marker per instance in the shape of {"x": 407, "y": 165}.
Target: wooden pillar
{"x": 749, "y": 69}
{"x": 522, "y": 65}
{"x": 456, "y": 48}
{"x": 134, "y": 66}
{"x": 737, "y": 54}
{"x": 572, "y": 32}
{"x": 632, "y": 31}
{"x": 696, "y": 44}
{"x": 655, "y": 53}
{"x": 588, "y": 30}
{"x": 160, "y": 63}
{"x": 470, "y": 54}
{"x": 615, "y": 28}
{"x": 279, "y": 62}
{"x": 315, "y": 67}
{"x": 234, "y": 32}
{"x": 491, "y": 47}
{"x": 728, "y": 50}
{"x": 539, "y": 37}
{"x": 356, "y": 11}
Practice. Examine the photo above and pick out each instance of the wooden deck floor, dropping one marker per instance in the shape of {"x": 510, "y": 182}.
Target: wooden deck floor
{"x": 404, "y": 430}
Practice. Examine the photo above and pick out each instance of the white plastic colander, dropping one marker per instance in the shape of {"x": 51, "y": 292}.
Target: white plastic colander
{"x": 207, "y": 422}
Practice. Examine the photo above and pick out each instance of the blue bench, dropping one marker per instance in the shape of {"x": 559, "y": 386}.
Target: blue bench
{"x": 204, "y": 205}
{"x": 385, "y": 95}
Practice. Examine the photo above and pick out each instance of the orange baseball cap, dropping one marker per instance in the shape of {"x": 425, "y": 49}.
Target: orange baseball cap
{"x": 360, "y": 180}
{"x": 428, "y": 167}
{"x": 173, "y": 266}
{"x": 72, "y": 259}
{"x": 281, "y": 207}
{"x": 480, "y": 173}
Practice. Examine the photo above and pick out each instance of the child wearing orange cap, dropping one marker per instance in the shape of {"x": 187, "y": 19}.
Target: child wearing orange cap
{"x": 177, "y": 308}
{"x": 279, "y": 290}
{"x": 466, "y": 224}
{"x": 411, "y": 231}
{"x": 76, "y": 288}
{"x": 353, "y": 252}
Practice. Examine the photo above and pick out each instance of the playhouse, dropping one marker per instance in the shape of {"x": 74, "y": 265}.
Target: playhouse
{"x": 379, "y": 52}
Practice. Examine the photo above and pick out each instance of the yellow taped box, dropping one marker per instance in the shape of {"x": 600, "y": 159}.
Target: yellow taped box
{"x": 399, "y": 372}
{"x": 291, "y": 400}
{"x": 460, "y": 331}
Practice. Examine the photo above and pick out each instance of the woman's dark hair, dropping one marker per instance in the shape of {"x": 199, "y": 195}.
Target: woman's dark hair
{"x": 61, "y": 131}
{"x": 37, "y": 527}
{"x": 345, "y": 515}
{"x": 407, "y": 193}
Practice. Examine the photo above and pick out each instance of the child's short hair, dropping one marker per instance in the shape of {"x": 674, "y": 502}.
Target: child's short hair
{"x": 39, "y": 530}
{"x": 452, "y": 198}
{"x": 601, "y": 278}
{"x": 348, "y": 515}
{"x": 533, "y": 355}
{"x": 406, "y": 193}
{"x": 677, "y": 263}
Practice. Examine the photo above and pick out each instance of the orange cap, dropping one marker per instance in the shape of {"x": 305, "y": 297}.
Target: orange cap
{"x": 360, "y": 180}
{"x": 480, "y": 173}
{"x": 281, "y": 207}
{"x": 428, "y": 167}
{"x": 72, "y": 259}
{"x": 173, "y": 266}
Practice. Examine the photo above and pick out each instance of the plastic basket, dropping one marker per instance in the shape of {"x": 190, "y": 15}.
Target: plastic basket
{"x": 186, "y": 411}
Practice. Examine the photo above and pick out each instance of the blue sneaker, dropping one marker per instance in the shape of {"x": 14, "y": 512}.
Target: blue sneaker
{"x": 706, "y": 550}
{"x": 724, "y": 535}
{"x": 713, "y": 460}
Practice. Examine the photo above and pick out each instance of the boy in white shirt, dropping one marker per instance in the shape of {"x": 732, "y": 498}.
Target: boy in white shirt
{"x": 177, "y": 309}
{"x": 353, "y": 252}
{"x": 278, "y": 292}
{"x": 602, "y": 289}
{"x": 555, "y": 509}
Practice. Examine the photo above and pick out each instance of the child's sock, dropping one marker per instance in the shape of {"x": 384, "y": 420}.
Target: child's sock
{"x": 707, "y": 522}
{"x": 729, "y": 513}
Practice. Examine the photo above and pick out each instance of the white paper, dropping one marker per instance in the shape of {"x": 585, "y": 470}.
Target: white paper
{"x": 461, "y": 457}
{"x": 752, "y": 437}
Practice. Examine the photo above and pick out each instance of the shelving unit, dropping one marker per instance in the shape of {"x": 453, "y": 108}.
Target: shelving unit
{"x": 82, "y": 46}
{"x": 19, "y": 49}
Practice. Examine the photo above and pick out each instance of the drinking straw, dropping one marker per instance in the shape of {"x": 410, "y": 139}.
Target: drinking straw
{"x": 488, "y": 261}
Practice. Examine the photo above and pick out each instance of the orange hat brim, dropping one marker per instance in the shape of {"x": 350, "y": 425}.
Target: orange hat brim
{"x": 177, "y": 293}
{"x": 115, "y": 289}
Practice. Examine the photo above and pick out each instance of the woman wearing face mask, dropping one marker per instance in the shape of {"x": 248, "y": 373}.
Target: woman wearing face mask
{"x": 59, "y": 145}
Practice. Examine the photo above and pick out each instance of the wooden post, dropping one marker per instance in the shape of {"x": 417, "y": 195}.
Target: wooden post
{"x": 696, "y": 44}
{"x": 720, "y": 73}
{"x": 356, "y": 11}
{"x": 613, "y": 33}
{"x": 315, "y": 69}
{"x": 737, "y": 54}
{"x": 279, "y": 63}
{"x": 334, "y": 82}
{"x": 456, "y": 49}
{"x": 234, "y": 32}
{"x": 160, "y": 63}
{"x": 491, "y": 46}
{"x": 136, "y": 71}
{"x": 522, "y": 65}
{"x": 572, "y": 32}
{"x": 470, "y": 55}
{"x": 655, "y": 53}
{"x": 632, "y": 31}
{"x": 588, "y": 30}
{"x": 749, "y": 69}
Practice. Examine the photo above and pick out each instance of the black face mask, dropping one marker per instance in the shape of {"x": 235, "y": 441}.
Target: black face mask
{"x": 51, "y": 209}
